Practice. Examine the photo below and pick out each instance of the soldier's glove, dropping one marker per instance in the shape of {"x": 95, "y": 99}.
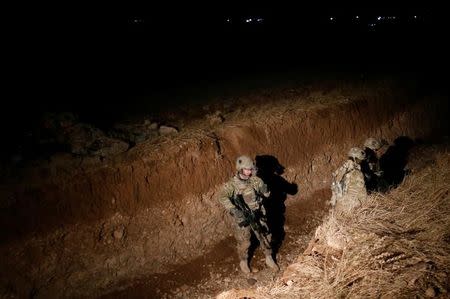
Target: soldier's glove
{"x": 368, "y": 176}
{"x": 379, "y": 173}
{"x": 239, "y": 216}
{"x": 244, "y": 223}
{"x": 261, "y": 214}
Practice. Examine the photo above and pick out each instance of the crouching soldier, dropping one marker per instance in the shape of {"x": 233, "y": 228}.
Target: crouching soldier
{"x": 348, "y": 186}
{"x": 242, "y": 196}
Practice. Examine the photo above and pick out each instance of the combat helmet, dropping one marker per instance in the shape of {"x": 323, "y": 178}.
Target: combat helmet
{"x": 357, "y": 153}
{"x": 373, "y": 144}
{"x": 244, "y": 162}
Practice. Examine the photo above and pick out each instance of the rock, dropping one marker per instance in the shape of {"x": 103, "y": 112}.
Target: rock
{"x": 167, "y": 130}
{"x": 430, "y": 292}
{"x": 119, "y": 233}
{"x": 80, "y": 137}
{"x": 106, "y": 146}
{"x": 135, "y": 132}
{"x": 251, "y": 281}
{"x": 153, "y": 126}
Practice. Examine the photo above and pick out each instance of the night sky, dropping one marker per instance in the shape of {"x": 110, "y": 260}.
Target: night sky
{"x": 85, "y": 57}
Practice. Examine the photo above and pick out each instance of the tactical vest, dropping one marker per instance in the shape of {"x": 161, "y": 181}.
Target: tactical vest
{"x": 247, "y": 190}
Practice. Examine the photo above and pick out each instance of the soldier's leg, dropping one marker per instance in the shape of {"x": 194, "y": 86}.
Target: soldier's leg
{"x": 243, "y": 238}
{"x": 267, "y": 248}
{"x": 270, "y": 262}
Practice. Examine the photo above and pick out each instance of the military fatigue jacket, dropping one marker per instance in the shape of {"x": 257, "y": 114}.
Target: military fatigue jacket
{"x": 250, "y": 189}
{"x": 348, "y": 181}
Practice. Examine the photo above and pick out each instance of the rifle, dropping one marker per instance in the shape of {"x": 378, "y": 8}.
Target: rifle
{"x": 253, "y": 220}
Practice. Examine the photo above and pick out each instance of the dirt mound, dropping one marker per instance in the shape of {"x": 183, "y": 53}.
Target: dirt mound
{"x": 78, "y": 226}
{"x": 393, "y": 246}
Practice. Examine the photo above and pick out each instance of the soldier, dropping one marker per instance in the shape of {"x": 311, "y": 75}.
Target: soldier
{"x": 348, "y": 187}
{"x": 250, "y": 190}
{"x": 371, "y": 164}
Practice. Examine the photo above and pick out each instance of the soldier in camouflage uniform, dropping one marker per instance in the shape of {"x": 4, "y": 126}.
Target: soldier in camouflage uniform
{"x": 371, "y": 165}
{"x": 348, "y": 186}
{"x": 253, "y": 190}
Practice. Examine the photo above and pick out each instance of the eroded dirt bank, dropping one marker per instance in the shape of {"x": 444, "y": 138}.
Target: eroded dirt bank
{"x": 77, "y": 228}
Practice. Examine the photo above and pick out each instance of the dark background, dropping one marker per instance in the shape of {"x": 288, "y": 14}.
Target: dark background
{"x": 96, "y": 60}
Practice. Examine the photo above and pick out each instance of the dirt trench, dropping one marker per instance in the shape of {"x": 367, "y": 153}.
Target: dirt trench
{"x": 80, "y": 228}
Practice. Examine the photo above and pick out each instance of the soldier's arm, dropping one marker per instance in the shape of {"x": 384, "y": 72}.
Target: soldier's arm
{"x": 339, "y": 174}
{"x": 261, "y": 188}
{"x": 225, "y": 195}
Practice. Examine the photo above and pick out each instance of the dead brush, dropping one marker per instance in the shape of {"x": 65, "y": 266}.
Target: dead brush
{"x": 397, "y": 246}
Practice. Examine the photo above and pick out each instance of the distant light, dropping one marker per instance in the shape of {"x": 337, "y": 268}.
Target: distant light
{"x": 259, "y": 20}
{"x": 357, "y": 17}
{"x": 372, "y": 25}
{"x": 248, "y": 20}
{"x": 228, "y": 20}
{"x": 415, "y": 17}
{"x": 379, "y": 18}
{"x": 331, "y": 18}
{"x": 137, "y": 20}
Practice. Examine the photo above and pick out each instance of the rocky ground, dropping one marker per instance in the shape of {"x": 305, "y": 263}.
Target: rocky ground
{"x": 218, "y": 270}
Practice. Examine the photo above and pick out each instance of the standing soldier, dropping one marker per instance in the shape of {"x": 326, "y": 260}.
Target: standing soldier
{"x": 242, "y": 196}
{"x": 348, "y": 187}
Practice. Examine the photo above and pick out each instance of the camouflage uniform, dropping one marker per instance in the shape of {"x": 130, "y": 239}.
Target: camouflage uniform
{"x": 372, "y": 146}
{"x": 348, "y": 186}
{"x": 371, "y": 165}
{"x": 252, "y": 190}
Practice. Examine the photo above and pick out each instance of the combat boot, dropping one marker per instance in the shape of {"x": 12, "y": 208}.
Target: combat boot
{"x": 271, "y": 263}
{"x": 244, "y": 266}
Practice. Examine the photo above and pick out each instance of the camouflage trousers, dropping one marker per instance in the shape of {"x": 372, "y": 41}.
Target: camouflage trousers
{"x": 243, "y": 237}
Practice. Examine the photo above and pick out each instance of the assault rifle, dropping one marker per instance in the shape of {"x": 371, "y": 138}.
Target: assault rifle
{"x": 252, "y": 219}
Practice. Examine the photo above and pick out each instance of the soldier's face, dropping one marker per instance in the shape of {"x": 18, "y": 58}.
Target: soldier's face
{"x": 378, "y": 152}
{"x": 246, "y": 172}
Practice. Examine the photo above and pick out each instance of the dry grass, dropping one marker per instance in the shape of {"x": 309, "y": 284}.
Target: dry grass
{"x": 397, "y": 246}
